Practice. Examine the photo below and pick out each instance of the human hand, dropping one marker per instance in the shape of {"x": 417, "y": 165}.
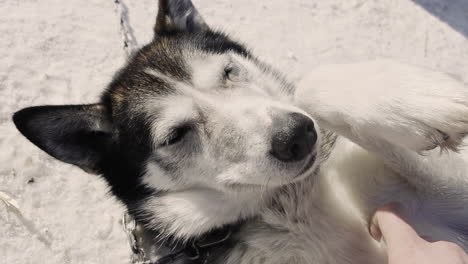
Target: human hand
{"x": 405, "y": 246}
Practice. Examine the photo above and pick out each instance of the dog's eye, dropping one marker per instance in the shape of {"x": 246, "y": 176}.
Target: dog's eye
{"x": 176, "y": 135}
{"x": 231, "y": 72}
{"x": 228, "y": 71}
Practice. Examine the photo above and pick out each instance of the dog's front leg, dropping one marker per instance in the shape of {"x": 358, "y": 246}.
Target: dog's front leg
{"x": 392, "y": 109}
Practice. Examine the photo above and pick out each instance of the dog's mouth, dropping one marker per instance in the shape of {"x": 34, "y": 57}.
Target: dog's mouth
{"x": 305, "y": 171}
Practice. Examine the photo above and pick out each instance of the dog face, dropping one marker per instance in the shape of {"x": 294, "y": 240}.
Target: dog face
{"x": 192, "y": 109}
{"x": 225, "y": 121}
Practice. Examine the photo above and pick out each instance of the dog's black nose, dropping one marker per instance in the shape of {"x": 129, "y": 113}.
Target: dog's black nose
{"x": 294, "y": 137}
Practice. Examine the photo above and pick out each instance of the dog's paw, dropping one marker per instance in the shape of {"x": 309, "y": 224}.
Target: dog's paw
{"x": 428, "y": 110}
{"x": 405, "y": 105}
{"x": 421, "y": 131}
{"x": 445, "y": 141}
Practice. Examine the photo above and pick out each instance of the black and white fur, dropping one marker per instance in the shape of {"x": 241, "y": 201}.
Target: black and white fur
{"x": 184, "y": 135}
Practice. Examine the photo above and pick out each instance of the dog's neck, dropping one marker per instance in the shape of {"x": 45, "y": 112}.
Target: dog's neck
{"x": 191, "y": 213}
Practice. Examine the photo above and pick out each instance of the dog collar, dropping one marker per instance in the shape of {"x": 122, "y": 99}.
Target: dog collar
{"x": 200, "y": 250}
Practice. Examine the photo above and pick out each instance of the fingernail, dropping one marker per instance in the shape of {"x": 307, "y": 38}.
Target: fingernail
{"x": 374, "y": 229}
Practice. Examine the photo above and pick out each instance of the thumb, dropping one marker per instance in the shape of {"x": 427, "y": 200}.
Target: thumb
{"x": 397, "y": 233}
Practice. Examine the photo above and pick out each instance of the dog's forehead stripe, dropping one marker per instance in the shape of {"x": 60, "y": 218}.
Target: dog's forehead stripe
{"x": 179, "y": 86}
{"x": 207, "y": 70}
{"x": 156, "y": 73}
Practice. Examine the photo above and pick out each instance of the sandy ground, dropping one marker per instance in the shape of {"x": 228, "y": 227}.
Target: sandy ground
{"x": 57, "y": 52}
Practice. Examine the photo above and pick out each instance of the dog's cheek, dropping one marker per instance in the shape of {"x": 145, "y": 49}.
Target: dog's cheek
{"x": 157, "y": 178}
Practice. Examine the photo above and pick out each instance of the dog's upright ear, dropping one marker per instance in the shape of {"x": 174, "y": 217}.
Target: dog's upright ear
{"x": 76, "y": 134}
{"x": 178, "y": 16}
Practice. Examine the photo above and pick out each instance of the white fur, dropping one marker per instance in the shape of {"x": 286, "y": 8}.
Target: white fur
{"x": 224, "y": 170}
{"x": 207, "y": 70}
{"x": 393, "y": 111}
{"x": 388, "y": 115}
{"x": 405, "y": 105}
{"x": 194, "y": 211}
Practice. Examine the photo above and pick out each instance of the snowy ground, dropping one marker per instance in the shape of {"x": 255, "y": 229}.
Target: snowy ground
{"x": 56, "y": 52}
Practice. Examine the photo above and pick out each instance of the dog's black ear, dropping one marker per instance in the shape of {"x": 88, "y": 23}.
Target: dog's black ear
{"x": 178, "y": 16}
{"x": 76, "y": 134}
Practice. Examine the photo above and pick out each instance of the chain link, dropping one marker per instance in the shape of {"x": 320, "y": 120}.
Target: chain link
{"x": 129, "y": 226}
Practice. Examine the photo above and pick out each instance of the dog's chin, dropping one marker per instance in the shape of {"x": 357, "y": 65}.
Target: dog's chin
{"x": 252, "y": 186}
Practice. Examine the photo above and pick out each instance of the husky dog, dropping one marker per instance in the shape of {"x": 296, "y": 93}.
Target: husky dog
{"x": 195, "y": 133}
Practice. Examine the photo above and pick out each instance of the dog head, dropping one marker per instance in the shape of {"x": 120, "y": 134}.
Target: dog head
{"x": 191, "y": 112}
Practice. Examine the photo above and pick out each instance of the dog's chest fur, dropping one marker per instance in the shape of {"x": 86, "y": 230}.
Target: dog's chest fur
{"x": 323, "y": 219}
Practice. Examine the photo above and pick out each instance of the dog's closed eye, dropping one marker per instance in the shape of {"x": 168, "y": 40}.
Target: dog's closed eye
{"x": 177, "y": 134}
{"x": 231, "y": 72}
{"x": 227, "y": 72}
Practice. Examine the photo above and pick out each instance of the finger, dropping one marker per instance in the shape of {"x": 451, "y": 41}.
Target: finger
{"x": 396, "y": 233}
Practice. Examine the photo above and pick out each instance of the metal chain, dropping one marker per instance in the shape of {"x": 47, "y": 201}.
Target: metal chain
{"x": 144, "y": 252}
{"x": 130, "y": 43}
{"x": 129, "y": 226}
